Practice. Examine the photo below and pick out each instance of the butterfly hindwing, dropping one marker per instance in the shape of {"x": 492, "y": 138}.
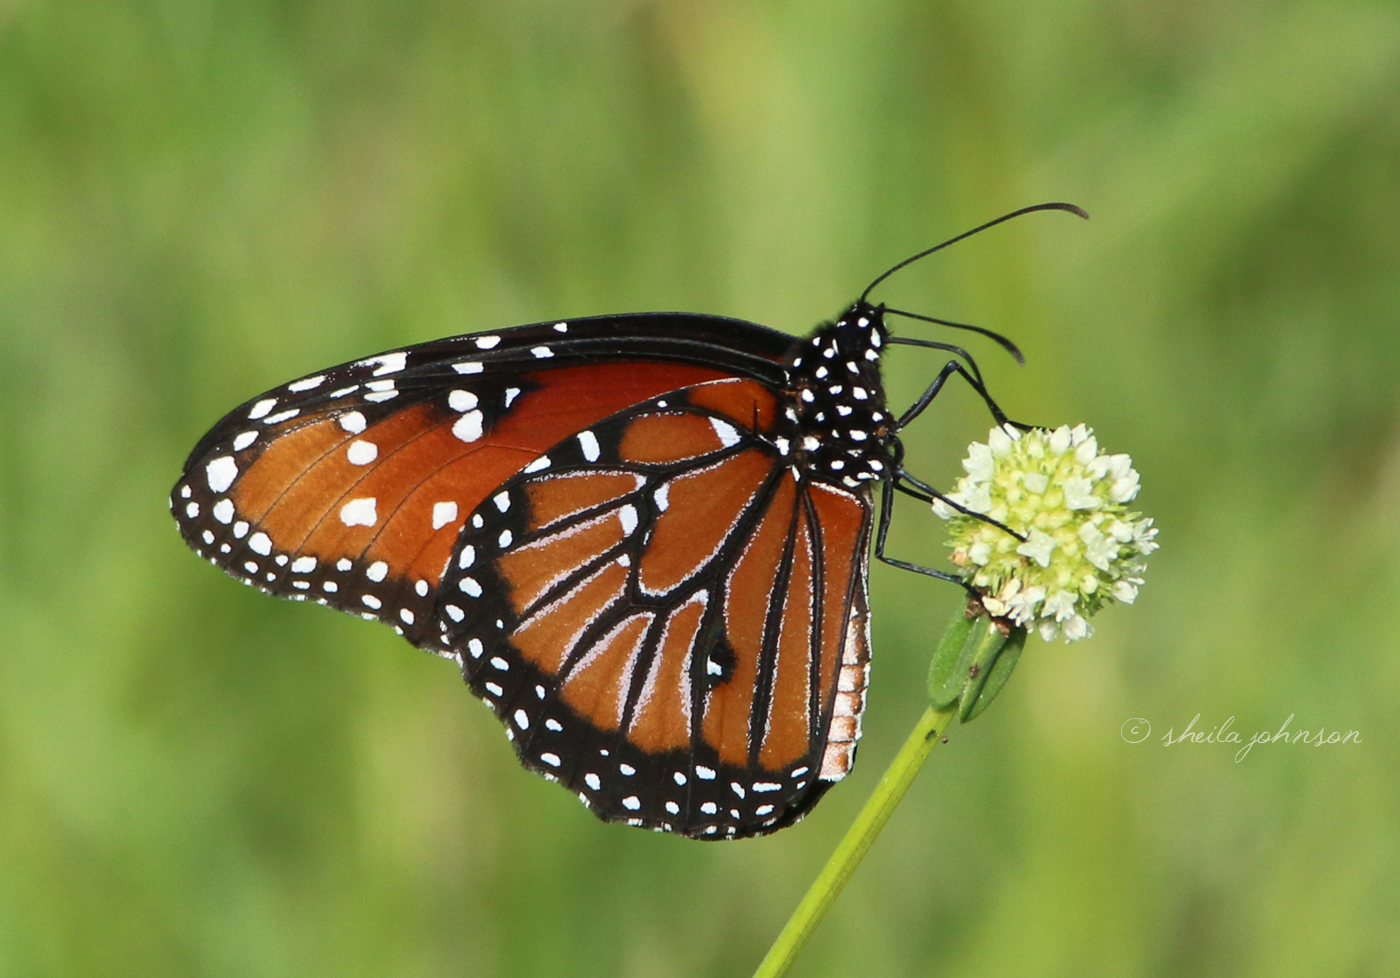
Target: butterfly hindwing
{"x": 648, "y": 608}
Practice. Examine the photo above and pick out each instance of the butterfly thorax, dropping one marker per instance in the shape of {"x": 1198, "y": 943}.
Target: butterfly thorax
{"x": 837, "y": 400}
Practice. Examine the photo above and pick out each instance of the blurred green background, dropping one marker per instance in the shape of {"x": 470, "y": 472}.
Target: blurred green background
{"x": 200, "y": 200}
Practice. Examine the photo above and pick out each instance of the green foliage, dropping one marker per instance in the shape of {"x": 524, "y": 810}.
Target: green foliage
{"x": 200, "y": 200}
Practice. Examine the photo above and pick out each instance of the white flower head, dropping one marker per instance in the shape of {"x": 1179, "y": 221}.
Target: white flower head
{"x": 1082, "y": 548}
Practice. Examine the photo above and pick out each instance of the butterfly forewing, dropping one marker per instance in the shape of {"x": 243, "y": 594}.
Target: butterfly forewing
{"x": 350, "y": 486}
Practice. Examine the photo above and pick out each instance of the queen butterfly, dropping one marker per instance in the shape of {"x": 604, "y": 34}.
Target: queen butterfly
{"x": 642, "y": 537}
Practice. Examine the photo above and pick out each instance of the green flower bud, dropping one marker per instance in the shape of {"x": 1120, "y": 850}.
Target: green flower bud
{"x": 1083, "y": 549}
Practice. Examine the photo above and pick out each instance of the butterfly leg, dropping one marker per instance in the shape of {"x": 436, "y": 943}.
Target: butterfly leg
{"x": 882, "y": 530}
{"x": 952, "y": 367}
{"x": 901, "y": 481}
{"x": 926, "y": 492}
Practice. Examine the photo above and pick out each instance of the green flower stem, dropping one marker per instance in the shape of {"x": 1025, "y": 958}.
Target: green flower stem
{"x": 858, "y": 840}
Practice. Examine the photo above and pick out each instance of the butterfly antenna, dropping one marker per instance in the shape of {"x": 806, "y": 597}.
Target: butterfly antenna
{"x": 1053, "y": 206}
{"x": 1006, "y": 344}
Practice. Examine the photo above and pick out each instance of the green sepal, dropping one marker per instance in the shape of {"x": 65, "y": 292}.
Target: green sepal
{"x": 948, "y": 669}
{"x": 996, "y": 659}
{"x": 980, "y": 654}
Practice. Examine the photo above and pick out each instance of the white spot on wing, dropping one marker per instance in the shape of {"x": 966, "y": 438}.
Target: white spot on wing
{"x": 443, "y": 513}
{"x": 538, "y": 465}
{"x": 303, "y": 565}
{"x": 244, "y": 440}
{"x": 468, "y": 427}
{"x": 589, "y": 443}
{"x": 473, "y": 367}
{"x": 262, "y": 408}
{"x": 260, "y": 543}
{"x": 359, "y": 512}
{"x": 628, "y": 516}
{"x": 461, "y": 400}
{"x": 385, "y": 363}
{"x": 727, "y": 434}
{"x": 221, "y": 472}
{"x": 542, "y": 352}
{"x": 377, "y": 571}
{"x": 388, "y": 363}
{"x": 382, "y": 391}
{"x": 511, "y": 394}
{"x": 361, "y": 452}
{"x": 352, "y": 421}
{"x": 309, "y": 384}
{"x": 486, "y": 342}
{"x": 502, "y": 500}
